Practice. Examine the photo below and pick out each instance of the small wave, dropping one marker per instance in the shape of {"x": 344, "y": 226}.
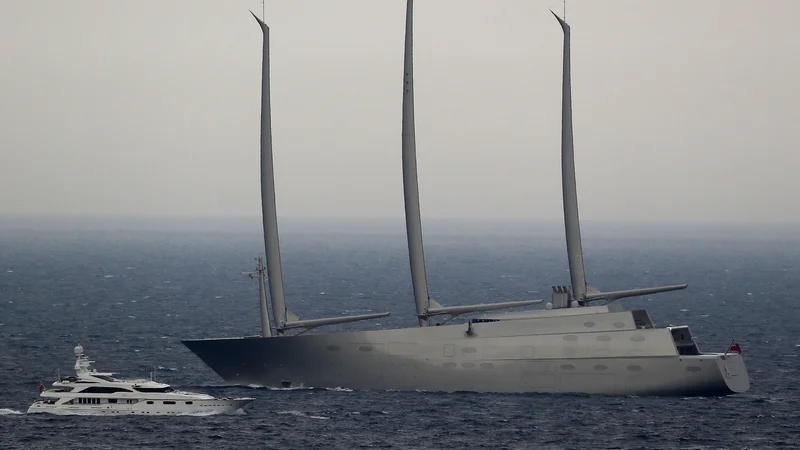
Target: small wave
{"x": 373, "y": 412}
{"x": 304, "y": 388}
{"x": 339, "y": 389}
{"x": 9, "y": 412}
{"x": 294, "y": 388}
{"x": 302, "y": 414}
{"x": 206, "y": 414}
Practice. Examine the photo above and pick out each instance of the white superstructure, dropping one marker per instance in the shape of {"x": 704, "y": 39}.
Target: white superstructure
{"x": 91, "y": 392}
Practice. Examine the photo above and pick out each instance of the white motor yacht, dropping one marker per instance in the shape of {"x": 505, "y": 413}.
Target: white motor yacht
{"x": 91, "y": 392}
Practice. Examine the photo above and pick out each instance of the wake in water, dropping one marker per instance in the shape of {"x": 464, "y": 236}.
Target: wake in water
{"x": 293, "y": 388}
{"x": 9, "y": 412}
{"x": 302, "y": 414}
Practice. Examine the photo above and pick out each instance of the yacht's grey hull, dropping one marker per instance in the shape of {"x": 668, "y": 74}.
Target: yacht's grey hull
{"x": 604, "y": 354}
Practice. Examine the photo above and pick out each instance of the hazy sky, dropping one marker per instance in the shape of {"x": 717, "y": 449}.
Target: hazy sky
{"x": 683, "y": 109}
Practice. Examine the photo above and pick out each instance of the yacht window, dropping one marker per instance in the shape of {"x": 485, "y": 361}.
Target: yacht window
{"x": 149, "y": 402}
{"x": 169, "y": 402}
{"x": 189, "y": 403}
{"x": 112, "y": 400}
{"x": 103, "y": 390}
{"x": 104, "y": 377}
{"x": 148, "y": 389}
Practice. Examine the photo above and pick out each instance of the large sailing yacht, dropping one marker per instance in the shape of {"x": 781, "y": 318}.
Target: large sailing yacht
{"x": 573, "y": 345}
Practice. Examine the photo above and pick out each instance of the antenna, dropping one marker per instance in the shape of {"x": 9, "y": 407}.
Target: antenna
{"x": 565, "y": 9}
{"x": 262, "y": 10}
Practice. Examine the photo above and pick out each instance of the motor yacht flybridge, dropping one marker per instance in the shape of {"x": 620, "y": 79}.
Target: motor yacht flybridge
{"x": 573, "y": 345}
{"x": 90, "y": 392}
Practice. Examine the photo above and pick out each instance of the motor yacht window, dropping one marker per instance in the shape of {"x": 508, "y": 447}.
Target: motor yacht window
{"x": 149, "y": 402}
{"x": 112, "y": 400}
{"x": 103, "y": 390}
{"x": 104, "y": 377}
{"x": 147, "y": 389}
{"x": 169, "y": 402}
{"x": 189, "y": 403}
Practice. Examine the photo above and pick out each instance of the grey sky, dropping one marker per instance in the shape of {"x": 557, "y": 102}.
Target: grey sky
{"x": 684, "y": 110}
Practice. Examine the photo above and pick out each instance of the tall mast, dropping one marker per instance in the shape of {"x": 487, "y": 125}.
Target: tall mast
{"x": 568, "y": 184}
{"x": 416, "y": 253}
{"x": 284, "y": 320}
{"x": 426, "y": 307}
{"x": 268, "y": 209}
{"x": 570, "y": 192}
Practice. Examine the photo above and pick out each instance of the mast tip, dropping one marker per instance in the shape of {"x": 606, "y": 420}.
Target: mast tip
{"x": 260, "y": 22}
{"x": 561, "y": 21}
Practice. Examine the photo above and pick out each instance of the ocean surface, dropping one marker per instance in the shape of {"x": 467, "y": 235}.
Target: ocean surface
{"x": 130, "y": 289}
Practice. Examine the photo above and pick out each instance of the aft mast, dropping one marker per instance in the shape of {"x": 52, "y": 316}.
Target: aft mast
{"x": 581, "y": 292}
{"x": 426, "y": 308}
{"x": 568, "y": 184}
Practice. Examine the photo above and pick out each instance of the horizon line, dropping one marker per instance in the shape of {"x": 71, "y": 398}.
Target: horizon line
{"x": 399, "y": 218}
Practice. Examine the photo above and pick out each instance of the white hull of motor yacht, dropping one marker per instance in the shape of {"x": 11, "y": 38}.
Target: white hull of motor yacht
{"x": 145, "y": 408}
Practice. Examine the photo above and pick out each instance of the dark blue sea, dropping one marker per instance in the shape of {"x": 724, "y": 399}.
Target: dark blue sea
{"x": 129, "y": 289}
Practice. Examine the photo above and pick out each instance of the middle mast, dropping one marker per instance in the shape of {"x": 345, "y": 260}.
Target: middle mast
{"x": 416, "y": 254}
